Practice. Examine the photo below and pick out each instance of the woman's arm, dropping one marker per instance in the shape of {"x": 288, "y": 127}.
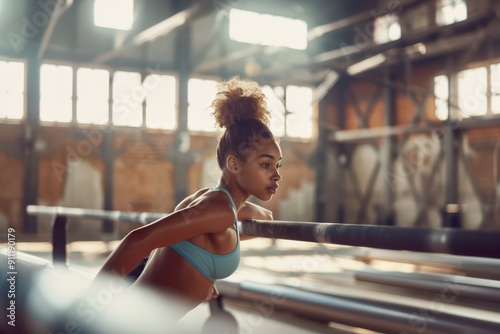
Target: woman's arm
{"x": 199, "y": 218}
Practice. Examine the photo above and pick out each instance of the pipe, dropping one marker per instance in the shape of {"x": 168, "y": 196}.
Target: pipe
{"x": 387, "y": 317}
{"x": 445, "y": 241}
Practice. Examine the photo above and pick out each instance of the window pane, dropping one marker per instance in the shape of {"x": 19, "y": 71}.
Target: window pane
{"x": 267, "y": 29}
{"x": 441, "y": 94}
{"x": 116, "y": 14}
{"x": 128, "y": 97}
{"x": 450, "y": 11}
{"x": 495, "y": 89}
{"x": 299, "y": 107}
{"x": 11, "y": 89}
{"x": 386, "y": 29}
{"x": 161, "y": 111}
{"x": 472, "y": 97}
{"x": 275, "y": 103}
{"x": 92, "y": 106}
{"x": 201, "y": 94}
{"x": 56, "y": 93}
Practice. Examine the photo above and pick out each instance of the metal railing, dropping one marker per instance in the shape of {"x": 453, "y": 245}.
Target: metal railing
{"x": 387, "y": 317}
{"x": 475, "y": 243}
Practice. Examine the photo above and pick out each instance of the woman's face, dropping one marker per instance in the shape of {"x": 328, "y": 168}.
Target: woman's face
{"x": 259, "y": 174}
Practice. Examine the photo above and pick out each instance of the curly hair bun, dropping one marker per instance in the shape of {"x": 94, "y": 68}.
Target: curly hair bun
{"x": 238, "y": 100}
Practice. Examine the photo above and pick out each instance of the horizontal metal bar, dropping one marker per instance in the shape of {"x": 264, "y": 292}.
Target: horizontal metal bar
{"x": 472, "y": 266}
{"x": 353, "y": 135}
{"x": 446, "y": 240}
{"x": 385, "y": 317}
{"x": 137, "y": 217}
{"x": 468, "y": 287}
{"x": 478, "y": 243}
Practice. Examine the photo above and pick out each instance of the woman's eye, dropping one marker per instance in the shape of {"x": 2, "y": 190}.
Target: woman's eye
{"x": 278, "y": 166}
{"x": 265, "y": 165}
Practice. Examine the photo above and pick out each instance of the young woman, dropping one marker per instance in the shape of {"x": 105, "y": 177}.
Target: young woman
{"x": 199, "y": 242}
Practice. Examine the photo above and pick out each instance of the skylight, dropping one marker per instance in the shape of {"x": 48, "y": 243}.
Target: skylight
{"x": 450, "y": 11}
{"x": 115, "y": 14}
{"x": 265, "y": 29}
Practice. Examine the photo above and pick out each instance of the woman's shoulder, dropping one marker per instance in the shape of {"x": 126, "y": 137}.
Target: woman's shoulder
{"x": 188, "y": 200}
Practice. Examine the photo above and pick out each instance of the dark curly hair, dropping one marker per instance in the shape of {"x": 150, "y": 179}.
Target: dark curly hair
{"x": 240, "y": 107}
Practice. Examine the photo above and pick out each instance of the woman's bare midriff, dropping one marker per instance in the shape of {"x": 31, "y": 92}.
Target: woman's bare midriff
{"x": 185, "y": 281}
{"x": 170, "y": 273}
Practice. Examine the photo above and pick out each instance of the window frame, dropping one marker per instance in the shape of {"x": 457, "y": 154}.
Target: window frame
{"x": 455, "y": 99}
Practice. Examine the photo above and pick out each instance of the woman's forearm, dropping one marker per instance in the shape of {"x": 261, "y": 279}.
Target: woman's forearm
{"x": 123, "y": 258}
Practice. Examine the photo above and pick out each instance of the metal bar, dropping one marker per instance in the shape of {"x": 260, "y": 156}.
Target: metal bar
{"x": 387, "y": 216}
{"x": 57, "y": 12}
{"x": 388, "y": 131}
{"x": 445, "y": 241}
{"x": 59, "y": 240}
{"x": 137, "y": 217}
{"x": 371, "y": 105}
{"x": 386, "y": 317}
{"x": 30, "y": 136}
{"x": 471, "y": 288}
{"x": 320, "y": 162}
{"x": 470, "y": 266}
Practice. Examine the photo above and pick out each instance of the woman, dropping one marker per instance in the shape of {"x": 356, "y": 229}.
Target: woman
{"x": 199, "y": 242}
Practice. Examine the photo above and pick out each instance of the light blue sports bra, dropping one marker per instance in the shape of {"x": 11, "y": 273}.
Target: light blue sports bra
{"x": 212, "y": 266}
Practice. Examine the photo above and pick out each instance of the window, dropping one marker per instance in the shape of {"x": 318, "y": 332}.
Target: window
{"x": 386, "y": 29}
{"x": 276, "y": 104}
{"x": 478, "y": 92}
{"x": 450, "y": 11}
{"x": 56, "y": 93}
{"x": 201, "y": 94}
{"x": 92, "y": 90}
{"x": 267, "y": 29}
{"x": 115, "y": 14}
{"x": 441, "y": 94}
{"x": 299, "y": 107}
{"x": 472, "y": 92}
{"x": 128, "y": 97}
{"x": 161, "y": 106}
{"x": 11, "y": 90}
{"x": 296, "y": 120}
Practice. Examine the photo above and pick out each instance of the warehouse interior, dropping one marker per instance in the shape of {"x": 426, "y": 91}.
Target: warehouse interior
{"x": 387, "y": 113}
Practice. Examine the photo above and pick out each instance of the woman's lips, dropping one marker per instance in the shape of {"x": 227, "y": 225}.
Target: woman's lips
{"x": 272, "y": 189}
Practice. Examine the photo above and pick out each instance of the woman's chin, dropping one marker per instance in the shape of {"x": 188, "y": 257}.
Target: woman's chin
{"x": 265, "y": 198}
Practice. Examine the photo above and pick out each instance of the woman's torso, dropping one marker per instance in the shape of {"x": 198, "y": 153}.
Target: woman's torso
{"x": 172, "y": 273}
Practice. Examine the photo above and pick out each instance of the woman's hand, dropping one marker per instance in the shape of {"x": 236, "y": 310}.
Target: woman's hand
{"x": 214, "y": 293}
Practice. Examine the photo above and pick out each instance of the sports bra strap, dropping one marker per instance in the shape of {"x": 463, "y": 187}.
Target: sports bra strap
{"x": 230, "y": 198}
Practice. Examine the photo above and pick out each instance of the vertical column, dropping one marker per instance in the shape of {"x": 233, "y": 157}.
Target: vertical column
{"x": 31, "y": 132}
{"x": 342, "y": 158}
{"x": 451, "y": 210}
{"x": 108, "y": 155}
{"x": 181, "y": 151}
{"x": 321, "y": 160}
{"x": 387, "y": 210}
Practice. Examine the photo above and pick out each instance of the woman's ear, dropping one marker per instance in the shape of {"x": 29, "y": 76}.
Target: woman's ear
{"x": 232, "y": 163}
